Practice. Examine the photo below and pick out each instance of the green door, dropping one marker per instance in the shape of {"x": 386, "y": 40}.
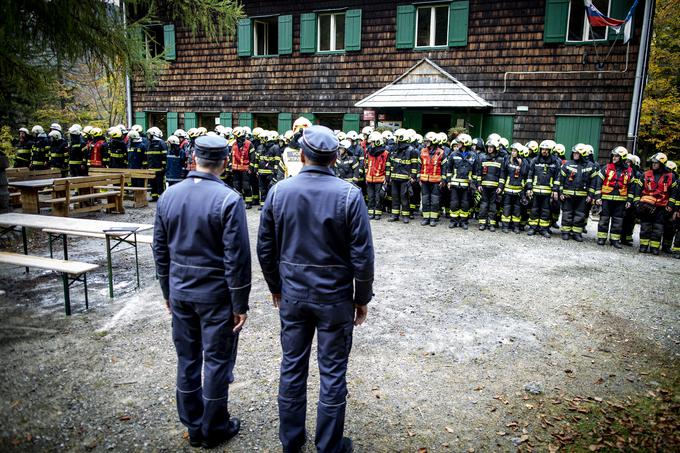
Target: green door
{"x": 499, "y": 124}
{"x": 571, "y": 130}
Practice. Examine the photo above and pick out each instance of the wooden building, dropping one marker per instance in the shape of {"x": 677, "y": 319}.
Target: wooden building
{"x": 527, "y": 69}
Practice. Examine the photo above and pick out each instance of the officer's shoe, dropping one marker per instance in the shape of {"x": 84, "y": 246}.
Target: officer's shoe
{"x": 644, "y": 249}
{"x": 482, "y": 227}
{"x": 577, "y": 237}
{"x": 532, "y": 232}
{"x": 394, "y": 218}
{"x": 425, "y": 222}
{"x": 616, "y": 244}
{"x": 218, "y": 439}
{"x": 546, "y": 234}
{"x": 452, "y": 224}
{"x": 433, "y": 222}
{"x": 601, "y": 241}
{"x": 347, "y": 445}
{"x": 464, "y": 225}
{"x": 565, "y": 236}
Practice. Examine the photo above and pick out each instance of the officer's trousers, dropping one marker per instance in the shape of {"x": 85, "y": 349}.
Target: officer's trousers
{"x": 651, "y": 226}
{"x": 374, "y": 201}
{"x": 204, "y": 339}
{"x": 157, "y": 184}
{"x": 459, "y": 206}
{"x": 265, "y": 183}
{"x": 511, "y": 209}
{"x": 333, "y": 324}
{"x": 430, "y": 193}
{"x": 612, "y": 211}
{"x": 242, "y": 185}
{"x": 400, "y": 197}
{"x": 487, "y": 207}
{"x": 573, "y": 214}
{"x": 668, "y": 232}
{"x": 540, "y": 211}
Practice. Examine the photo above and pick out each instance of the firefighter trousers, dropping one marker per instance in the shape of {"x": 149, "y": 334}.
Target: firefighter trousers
{"x": 459, "y": 206}
{"x": 487, "y": 206}
{"x": 512, "y": 209}
{"x": 254, "y": 184}
{"x": 540, "y": 211}
{"x": 573, "y": 214}
{"x": 628, "y": 224}
{"x": 414, "y": 200}
{"x": 265, "y": 183}
{"x": 77, "y": 170}
{"x": 668, "y": 231}
{"x": 430, "y": 192}
{"x": 157, "y": 184}
{"x": 612, "y": 214}
{"x": 651, "y": 226}
{"x": 374, "y": 201}
{"x": 242, "y": 185}
{"x": 400, "y": 197}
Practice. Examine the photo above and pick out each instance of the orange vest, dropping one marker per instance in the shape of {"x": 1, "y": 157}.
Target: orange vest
{"x": 375, "y": 167}
{"x": 431, "y": 165}
{"x": 613, "y": 180}
{"x": 96, "y": 154}
{"x": 240, "y": 157}
{"x": 656, "y": 193}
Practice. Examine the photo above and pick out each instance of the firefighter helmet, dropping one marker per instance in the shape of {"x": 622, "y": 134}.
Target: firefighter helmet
{"x": 660, "y": 158}
{"x": 559, "y": 149}
{"x": 24, "y": 130}
{"x": 37, "y": 130}
{"x": 96, "y": 132}
{"x": 301, "y": 123}
{"x": 442, "y": 138}
{"x": 376, "y": 138}
{"x": 387, "y": 135}
{"x": 193, "y": 132}
{"x": 288, "y": 135}
{"x": 138, "y": 128}
{"x": 247, "y": 130}
{"x": 181, "y": 133}
{"x": 227, "y": 131}
{"x": 525, "y": 152}
{"x": 401, "y": 135}
{"x": 431, "y": 137}
{"x": 55, "y": 127}
{"x": 114, "y": 132}
{"x": 620, "y": 151}
{"x": 154, "y": 132}
{"x": 75, "y": 129}
{"x": 464, "y": 139}
{"x": 504, "y": 143}
{"x": 590, "y": 150}
{"x": 478, "y": 142}
{"x": 547, "y": 144}
{"x": 122, "y": 128}
{"x": 580, "y": 148}
{"x": 134, "y": 136}
{"x": 532, "y": 145}
{"x": 345, "y": 144}
{"x": 672, "y": 166}
{"x": 239, "y": 132}
{"x": 340, "y": 136}
{"x": 173, "y": 140}
{"x": 518, "y": 146}
{"x": 55, "y": 135}
{"x": 493, "y": 137}
{"x": 352, "y": 135}
{"x": 367, "y": 131}
{"x": 635, "y": 160}
{"x": 417, "y": 138}
{"x": 495, "y": 142}
{"x": 257, "y": 132}
{"x": 202, "y": 131}
{"x": 87, "y": 130}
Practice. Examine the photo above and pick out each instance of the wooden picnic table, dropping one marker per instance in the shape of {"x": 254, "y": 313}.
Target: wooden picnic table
{"x": 115, "y": 233}
{"x": 30, "y": 203}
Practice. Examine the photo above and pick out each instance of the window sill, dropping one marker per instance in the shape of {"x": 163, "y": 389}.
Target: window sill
{"x": 586, "y": 43}
{"x": 431, "y": 49}
{"x": 266, "y": 56}
{"x": 329, "y": 52}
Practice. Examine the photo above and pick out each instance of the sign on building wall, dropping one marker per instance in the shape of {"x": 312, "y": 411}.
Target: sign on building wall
{"x": 369, "y": 115}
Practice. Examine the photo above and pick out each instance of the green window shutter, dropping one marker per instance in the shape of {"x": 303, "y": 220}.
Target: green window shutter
{"x": 140, "y": 118}
{"x": 555, "y": 26}
{"x": 285, "y": 121}
{"x": 245, "y": 38}
{"x": 353, "y": 29}
{"x": 169, "y": 41}
{"x": 173, "y": 122}
{"x": 226, "y": 119}
{"x": 499, "y": 124}
{"x": 137, "y": 32}
{"x": 285, "y": 35}
{"x": 413, "y": 120}
{"x": 570, "y": 130}
{"x": 245, "y": 119}
{"x": 618, "y": 10}
{"x": 310, "y": 116}
{"x": 189, "y": 120}
{"x": 350, "y": 122}
{"x": 459, "y": 13}
{"x": 406, "y": 26}
{"x": 308, "y": 33}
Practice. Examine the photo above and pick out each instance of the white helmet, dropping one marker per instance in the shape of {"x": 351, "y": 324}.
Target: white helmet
{"x": 193, "y": 132}
{"x": 341, "y": 136}
{"x": 239, "y": 132}
{"x": 37, "y": 130}
{"x": 154, "y": 132}
{"x": 211, "y": 134}
{"x": 386, "y": 135}
{"x": 55, "y": 135}
{"x": 442, "y": 138}
{"x": 547, "y": 144}
{"x": 504, "y": 142}
{"x": 493, "y": 137}
{"x": 173, "y": 140}
{"x": 493, "y": 141}
{"x": 24, "y": 130}
{"x": 75, "y": 129}
{"x": 228, "y": 131}
{"x": 374, "y": 137}
{"x": 402, "y": 135}
{"x": 202, "y": 131}
{"x": 134, "y": 136}
{"x": 418, "y": 138}
{"x": 367, "y": 131}
{"x": 345, "y": 144}
{"x": 634, "y": 159}
{"x": 288, "y": 135}
{"x": 114, "y": 132}
{"x": 352, "y": 135}
{"x": 257, "y": 132}
{"x": 181, "y": 133}
{"x": 301, "y": 123}
{"x": 431, "y": 137}
{"x": 464, "y": 139}
{"x": 247, "y": 130}
{"x": 137, "y": 127}
{"x": 55, "y": 127}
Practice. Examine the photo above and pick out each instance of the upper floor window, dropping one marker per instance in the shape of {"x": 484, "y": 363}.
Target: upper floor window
{"x": 266, "y": 36}
{"x": 154, "y": 39}
{"x": 578, "y": 26}
{"x": 432, "y": 26}
{"x": 331, "y": 33}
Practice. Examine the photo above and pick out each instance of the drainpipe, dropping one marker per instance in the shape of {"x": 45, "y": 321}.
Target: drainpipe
{"x": 128, "y": 87}
{"x": 640, "y": 76}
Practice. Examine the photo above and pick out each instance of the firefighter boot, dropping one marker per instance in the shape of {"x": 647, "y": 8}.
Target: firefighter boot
{"x": 433, "y": 222}
{"x": 492, "y": 228}
{"x": 545, "y": 232}
{"x": 482, "y": 227}
{"x": 394, "y": 218}
{"x": 377, "y": 217}
{"x": 565, "y": 236}
{"x": 425, "y": 222}
{"x": 453, "y": 223}
{"x": 601, "y": 241}
{"x": 616, "y": 244}
{"x": 516, "y": 230}
{"x": 532, "y": 231}
{"x": 577, "y": 237}
{"x": 626, "y": 242}
{"x": 505, "y": 229}
{"x": 405, "y": 219}
{"x": 655, "y": 251}
{"x": 371, "y": 216}
{"x": 464, "y": 224}
{"x": 644, "y": 249}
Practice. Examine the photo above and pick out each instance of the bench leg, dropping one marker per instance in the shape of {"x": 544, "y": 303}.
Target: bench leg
{"x": 67, "y": 294}
{"x": 50, "y": 240}
{"x": 63, "y": 238}
{"x": 136, "y": 259}
{"x": 25, "y": 240}
{"x": 87, "y": 302}
{"x": 108, "y": 263}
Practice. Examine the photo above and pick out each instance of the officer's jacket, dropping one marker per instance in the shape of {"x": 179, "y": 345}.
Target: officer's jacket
{"x": 40, "y": 149}
{"x": 117, "y": 153}
{"x": 460, "y": 168}
{"x": 136, "y": 155}
{"x": 201, "y": 243}
{"x": 314, "y": 242}
{"x": 514, "y": 175}
{"x": 176, "y": 162}
{"x": 76, "y": 150}
{"x": 489, "y": 169}
{"x": 58, "y": 153}
{"x": 544, "y": 175}
{"x": 578, "y": 178}
{"x": 347, "y": 167}
{"x": 403, "y": 162}
{"x": 268, "y": 159}
{"x": 155, "y": 155}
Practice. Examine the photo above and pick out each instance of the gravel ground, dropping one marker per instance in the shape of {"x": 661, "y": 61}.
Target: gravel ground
{"x": 460, "y": 323}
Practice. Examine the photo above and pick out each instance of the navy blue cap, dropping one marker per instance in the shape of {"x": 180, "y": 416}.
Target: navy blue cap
{"x": 211, "y": 147}
{"x": 318, "y": 142}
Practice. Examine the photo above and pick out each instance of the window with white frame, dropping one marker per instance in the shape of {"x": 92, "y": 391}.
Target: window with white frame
{"x": 432, "y": 26}
{"x": 579, "y": 29}
{"x": 331, "y": 32}
{"x": 266, "y": 36}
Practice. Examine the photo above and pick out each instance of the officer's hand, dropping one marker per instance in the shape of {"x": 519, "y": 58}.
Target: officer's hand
{"x": 239, "y": 321}
{"x": 554, "y": 196}
{"x": 499, "y": 190}
{"x": 276, "y": 300}
{"x": 669, "y": 209}
{"x": 598, "y": 202}
{"x": 360, "y": 312}
{"x": 589, "y": 200}
{"x": 562, "y": 197}
{"x": 530, "y": 194}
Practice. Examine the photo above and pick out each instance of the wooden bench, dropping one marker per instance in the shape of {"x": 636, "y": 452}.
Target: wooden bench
{"x": 71, "y": 271}
{"x": 25, "y": 174}
{"x": 88, "y": 195}
{"x": 138, "y": 193}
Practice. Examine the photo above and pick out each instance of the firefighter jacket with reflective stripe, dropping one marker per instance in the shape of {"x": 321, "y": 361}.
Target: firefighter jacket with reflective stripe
{"x": 544, "y": 174}
{"x": 489, "y": 169}
{"x": 98, "y": 153}
{"x": 578, "y": 178}
{"x": 76, "y": 150}
{"x": 514, "y": 175}
{"x": 117, "y": 153}
{"x": 268, "y": 159}
{"x": 657, "y": 187}
{"x": 22, "y": 156}
{"x": 615, "y": 182}
{"x": 461, "y": 167}
{"x": 58, "y": 154}
{"x": 347, "y": 167}
{"x": 430, "y": 164}
{"x": 176, "y": 161}
{"x": 377, "y": 164}
{"x": 40, "y": 150}
{"x": 402, "y": 162}
{"x": 136, "y": 155}
{"x": 155, "y": 156}
{"x": 240, "y": 155}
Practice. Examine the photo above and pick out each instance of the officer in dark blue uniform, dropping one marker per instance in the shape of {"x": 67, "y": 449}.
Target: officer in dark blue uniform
{"x": 316, "y": 253}
{"x": 202, "y": 257}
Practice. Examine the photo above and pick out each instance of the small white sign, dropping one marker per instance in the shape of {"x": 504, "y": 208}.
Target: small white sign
{"x": 522, "y": 108}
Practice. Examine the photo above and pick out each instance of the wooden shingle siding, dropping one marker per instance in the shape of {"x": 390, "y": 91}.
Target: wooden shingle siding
{"x": 502, "y": 36}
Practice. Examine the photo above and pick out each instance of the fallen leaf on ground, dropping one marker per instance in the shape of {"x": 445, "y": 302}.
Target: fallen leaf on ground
{"x": 124, "y": 418}
{"x": 449, "y": 429}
